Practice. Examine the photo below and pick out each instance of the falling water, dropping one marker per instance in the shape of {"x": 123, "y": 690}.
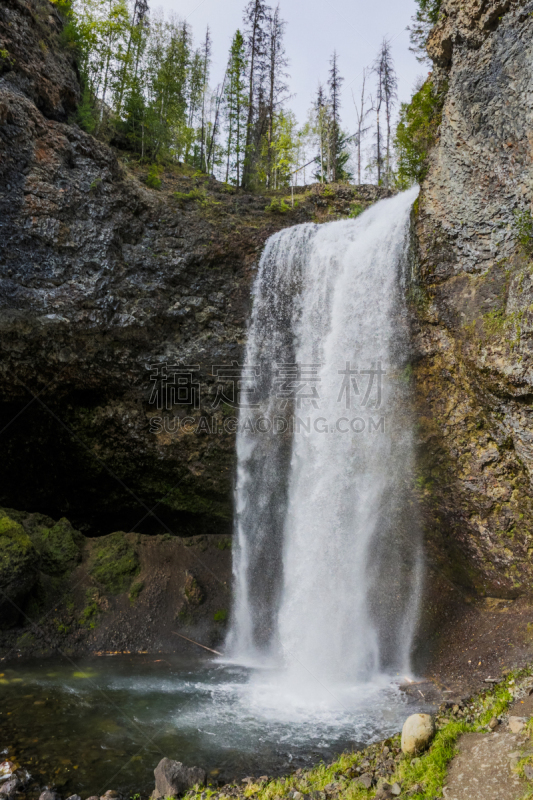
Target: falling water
{"x": 326, "y": 559}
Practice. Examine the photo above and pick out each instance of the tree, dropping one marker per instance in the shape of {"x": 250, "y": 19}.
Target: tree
{"x": 320, "y": 115}
{"x": 206, "y": 61}
{"x": 416, "y": 132}
{"x": 335, "y": 82}
{"x": 386, "y": 85}
{"x": 277, "y": 62}
{"x": 235, "y": 108}
{"x": 361, "y": 113}
{"x": 425, "y": 19}
{"x": 256, "y": 19}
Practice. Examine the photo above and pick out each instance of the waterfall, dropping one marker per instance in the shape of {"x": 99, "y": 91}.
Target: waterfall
{"x": 326, "y": 559}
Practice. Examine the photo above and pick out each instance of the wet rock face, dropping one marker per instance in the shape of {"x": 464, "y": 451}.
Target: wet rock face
{"x": 472, "y": 301}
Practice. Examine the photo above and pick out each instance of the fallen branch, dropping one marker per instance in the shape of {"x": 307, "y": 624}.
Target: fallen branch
{"x": 197, "y": 643}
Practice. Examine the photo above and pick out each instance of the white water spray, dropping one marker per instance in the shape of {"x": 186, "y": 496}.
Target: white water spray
{"x": 326, "y": 558}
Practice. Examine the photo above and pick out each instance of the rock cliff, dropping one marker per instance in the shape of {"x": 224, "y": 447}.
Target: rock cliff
{"x": 104, "y": 281}
{"x": 472, "y": 299}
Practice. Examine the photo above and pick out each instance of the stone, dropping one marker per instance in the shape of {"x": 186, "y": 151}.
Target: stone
{"x": 417, "y": 733}
{"x": 493, "y": 723}
{"x": 365, "y": 780}
{"x": 396, "y": 789}
{"x": 528, "y": 772}
{"x": 517, "y": 724}
{"x": 93, "y": 797}
{"x": 74, "y": 797}
{"x": 10, "y": 787}
{"x": 49, "y": 795}
{"x": 111, "y": 794}
{"x": 172, "y": 778}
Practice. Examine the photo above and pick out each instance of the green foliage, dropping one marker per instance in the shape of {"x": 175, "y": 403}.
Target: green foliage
{"x": 220, "y": 616}
{"x": 355, "y": 210}
{"x": 523, "y": 230}
{"x": 114, "y": 562}
{"x": 416, "y": 133}
{"x": 427, "y": 15}
{"x": 188, "y": 197}
{"x": 85, "y": 115}
{"x": 152, "y": 179}
{"x": 278, "y": 206}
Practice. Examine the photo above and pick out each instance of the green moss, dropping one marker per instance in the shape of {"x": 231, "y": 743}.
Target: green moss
{"x": 114, "y": 562}
{"x": 135, "y": 591}
{"x": 17, "y": 552}
{"x": 494, "y": 323}
{"x": 59, "y": 547}
{"x": 89, "y": 616}
{"x": 221, "y": 616}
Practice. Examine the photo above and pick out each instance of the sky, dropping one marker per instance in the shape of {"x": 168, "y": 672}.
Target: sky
{"x": 355, "y": 28}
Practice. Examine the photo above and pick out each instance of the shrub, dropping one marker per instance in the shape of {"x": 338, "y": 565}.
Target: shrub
{"x": 523, "y": 229}
{"x": 278, "y": 206}
{"x": 152, "y": 179}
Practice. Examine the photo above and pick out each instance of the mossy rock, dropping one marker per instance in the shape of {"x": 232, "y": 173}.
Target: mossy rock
{"x": 18, "y": 563}
{"x": 59, "y": 546}
{"x": 114, "y": 562}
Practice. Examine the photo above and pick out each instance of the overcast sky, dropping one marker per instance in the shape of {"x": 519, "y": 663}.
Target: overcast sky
{"x": 315, "y": 28}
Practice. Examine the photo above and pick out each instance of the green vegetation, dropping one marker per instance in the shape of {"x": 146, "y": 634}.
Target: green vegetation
{"x": 221, "y": 616}
{"x": 494, "y": 323}
{"x": 89, "y": 615}
{"x": 278, "y": 206}
{"x": 355, "y": 210}
{"x": 188, "y": 197}
{"x": 135, "y": 591}
{"x": 523, "y": 229}
{"x": 152, "y": 179}
{"x": 427, "y": 15}
{"x": 114, "y": 562}
{"x": 416, "y": 134}
{"x": 192, "y": 591}
{"x": 59, "y": 547}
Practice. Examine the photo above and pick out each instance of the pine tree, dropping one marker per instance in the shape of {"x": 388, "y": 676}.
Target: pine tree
{"x": 386, "y": 96}
{"x": 235, "y": 108}
{"x": 206, "y": 62}
{"x": 256, "y": 19}
{"x": 321, "y": 127}
{"x": 277, "y": 63}
{"x": 425, "y": 19}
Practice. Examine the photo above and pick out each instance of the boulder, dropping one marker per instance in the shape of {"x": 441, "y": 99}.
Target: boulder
{"x": 517, "y": 724}
{"x": 417, "y": 733}
{"x": 49, "y": 795}
{"x": 173, "y": 779}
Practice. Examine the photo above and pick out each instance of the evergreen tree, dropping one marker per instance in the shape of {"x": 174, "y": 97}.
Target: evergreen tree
{"x": 425, "y": 19}
{"x": 277, "y": 63}
{"x": 256, "y": 18}
{"x": 236, "y": 102}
